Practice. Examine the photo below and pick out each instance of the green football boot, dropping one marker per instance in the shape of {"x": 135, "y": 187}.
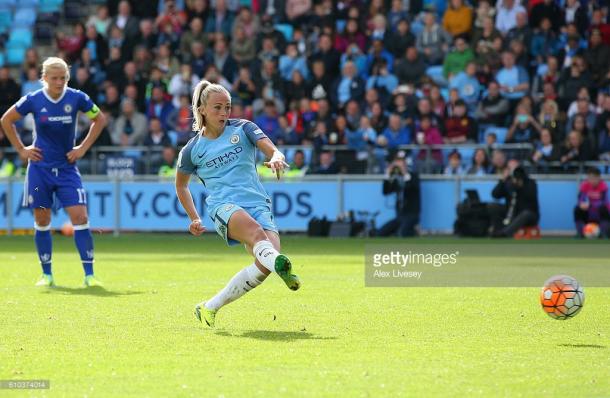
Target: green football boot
{"x": 92, "y": 281}
{"x": 205, "y": 315}
{"x": 46, "y": 280}
{"x": 283, "y": 267}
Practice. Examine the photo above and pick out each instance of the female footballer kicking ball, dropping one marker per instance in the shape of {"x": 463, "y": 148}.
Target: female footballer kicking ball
{"x": 222, "y": 155}
{"x": 52, "y": 170}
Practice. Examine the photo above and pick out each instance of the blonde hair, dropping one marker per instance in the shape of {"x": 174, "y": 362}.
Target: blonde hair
{"x": 200, "y": 98}
{"x": 54, "y": 63}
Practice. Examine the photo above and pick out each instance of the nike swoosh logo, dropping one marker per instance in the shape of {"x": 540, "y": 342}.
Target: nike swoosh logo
{"x": 200, "y": 156}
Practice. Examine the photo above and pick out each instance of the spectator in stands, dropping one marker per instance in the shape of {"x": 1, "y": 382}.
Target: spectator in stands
{"x": 549, "y": 10}
{"x": 100, "y": 21}
{"x": 593, "y": 204}
{"x": 484, "y": 37}
{"x": 604, "y": 142}
{"x": 493, "y": 108}
{"x": 584, "y": 110}
{"x": 348, "y": 86}
{"x": 424, "y": 108}
{"x": 427, "y": 134}
{"x": 182, "y": 84}
{"x": 460, "y": 127}
{"x": 320, "y": 83}
{"x": 292, "y": 61}
{"x": 244, "y": 87}
{"x": 513, "y": 80}
{"x": 456, "y": 61}
{"x": 130, "y": 127}
{"x": 406, "y": 185}
{"x": 458, "y": 18}
{"x": 480, "y": 163}
{"x": 498, "y": 163}
{"x": 243, "y": 49}
{"x": 381, "y": 79}
{"x": 146, "y": 36}
{"x": 168, "y": 165}
{"x": 468, "y": 86}
{"x": 32, "y": 83}
{"x": 433, "y": 41}
{"x": 524, "y": 129}
{"x": 165, "y": 60}
{"x": 158, "y": 106}
{"x": 338, "y": 136}
{"x": 171, "y": 17}
{"x": 599, "y": 22}
{"x": 397, "y": 133}
{"x": 112, "y": 100}
{"x": 410, "y": 68}
{"x": 191, "y": 35}
{"x": 197, "y": 9}
{"x": 72, "y": 44}
{"x": 326, "y": 165}
{"x": 221, "y": 57}
{"x": 597, "y": 57}
{"x": 125, "y": 21}
{"x": 83, "y": 82}
{"x": 521, "y": 31}
{"x": 180, "y": 121}
{"x": 575, "y": 149}
{"x": 156, "y": 135}
{"x": 546, "y": 151}
{"x": 506, "y": 18}
{"x": 544, "y": 41}
{"x": 157, "y": 79}
{"x": 454, "y": 166}
{"x": 32, "y": 60}
{"x": 269, "y": 123}
{"x": 7, "y": 167}
{"x": 521, "y": 196}
{"x": 114, "y": 66}
{"x": 572, "y": 79}
{"x": 550, "y": 118}
{"x": 220, "y": 20}
{"x": 96, "y": 46}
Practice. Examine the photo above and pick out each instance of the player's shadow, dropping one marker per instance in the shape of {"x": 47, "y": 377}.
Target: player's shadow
{"x": 276, "y": 335}
{"x": 89, "y": 291}
{"x": 582, "y": 345}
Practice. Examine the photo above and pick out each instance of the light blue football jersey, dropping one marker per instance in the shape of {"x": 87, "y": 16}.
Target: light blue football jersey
{"x": 227, "y": 166}
{"x": 55, "y": 122}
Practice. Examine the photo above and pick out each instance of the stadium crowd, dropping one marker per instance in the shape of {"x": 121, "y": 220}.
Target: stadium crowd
{"x": 364, "y": 78}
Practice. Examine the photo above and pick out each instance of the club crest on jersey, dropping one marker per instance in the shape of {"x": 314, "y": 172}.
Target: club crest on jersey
{"x": 234, "y": 139}
{"x": 67, "y": 108}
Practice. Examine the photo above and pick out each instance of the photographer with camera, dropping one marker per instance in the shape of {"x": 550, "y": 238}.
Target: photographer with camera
{"x": 521, "y": 209}
{"x": 405, "y": 184}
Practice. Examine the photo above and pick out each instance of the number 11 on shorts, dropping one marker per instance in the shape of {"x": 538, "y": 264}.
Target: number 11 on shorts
{"x": 82, "y": 198}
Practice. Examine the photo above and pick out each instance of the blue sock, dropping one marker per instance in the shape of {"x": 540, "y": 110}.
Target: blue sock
{"x": 84, "y": 244}
{"x": 44, "y": 246}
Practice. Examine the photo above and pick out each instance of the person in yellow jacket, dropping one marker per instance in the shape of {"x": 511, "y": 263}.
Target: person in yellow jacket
{"x": 458, "y": 18}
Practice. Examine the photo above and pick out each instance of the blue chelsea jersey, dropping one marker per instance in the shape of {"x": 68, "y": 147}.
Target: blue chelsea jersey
{"x": 227, "y": 165}
{"x": 55, "y": 122}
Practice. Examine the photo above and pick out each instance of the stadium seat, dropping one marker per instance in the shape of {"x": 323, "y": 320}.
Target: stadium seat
{"x": 44, "y": 32}
{"x": 500, "y": 133}
{"x": 6, "y": 19}
{"x": 20, "y": 37}
{"x": 286, "y": 30}
{"x": 2, "y": 60}
{"x": 7, "y": 3}
{"x": 15, "y": 54}
{"x": 49, "y": 6}
{"x": 24, "y": 17}
{"x": 27, "y": 4}
{"x": 74, "y": 10}
{"x": 467, "y": 155}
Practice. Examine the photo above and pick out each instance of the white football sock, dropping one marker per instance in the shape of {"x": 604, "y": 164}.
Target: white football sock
{"x": 265, "y": 253}
{"x": 244, "y": 281}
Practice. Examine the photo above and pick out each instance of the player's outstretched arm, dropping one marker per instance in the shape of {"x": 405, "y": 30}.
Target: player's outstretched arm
{"x": 97, "y": 125}
{"x": 8, "y": 125}
{"x": 277, "y": 161}
{"x": 186, "y": 200}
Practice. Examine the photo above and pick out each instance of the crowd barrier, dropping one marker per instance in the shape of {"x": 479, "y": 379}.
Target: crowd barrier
{"x": 150, "y": 204}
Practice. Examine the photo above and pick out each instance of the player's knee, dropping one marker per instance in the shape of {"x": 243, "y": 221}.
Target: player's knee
{"x": 42, "y": 219}
{"x": 80, "y": 220}
{"x": 258, "y": 235}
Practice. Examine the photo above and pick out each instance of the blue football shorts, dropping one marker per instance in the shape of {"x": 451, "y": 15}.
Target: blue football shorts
{"x": 43, "y": 185}
{"x": 261, "y": 214}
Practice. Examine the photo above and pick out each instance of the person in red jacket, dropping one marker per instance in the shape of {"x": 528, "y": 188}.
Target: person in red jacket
{"x": 592, "y": 204}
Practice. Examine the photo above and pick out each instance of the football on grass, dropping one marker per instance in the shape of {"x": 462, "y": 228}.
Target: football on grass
{"x": 562, "y": 297}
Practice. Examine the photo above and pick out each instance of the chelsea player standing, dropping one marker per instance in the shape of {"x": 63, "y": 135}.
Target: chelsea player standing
{"x": 52, "y": 161}
{"x": 222, "y": 155}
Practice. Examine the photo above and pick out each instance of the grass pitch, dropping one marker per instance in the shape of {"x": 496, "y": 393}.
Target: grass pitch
{"x": 334, "y": 337}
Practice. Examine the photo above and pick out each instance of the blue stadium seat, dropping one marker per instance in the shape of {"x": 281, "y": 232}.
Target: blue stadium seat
{"x": 50, "y": 6}
{"x": 286, "y": 30}
{"x": 467, "y": 155}
{"x": 20, "y": 37}
{"x": 2, "y": 60}
{"x": 24, "y": 17}
{"x": 15, "y": 54}
{"x": 27, "y": 4}
{"x": 7, "y": 3}
{"x": 500, "y": 133}
{"x": 6, "y": 19}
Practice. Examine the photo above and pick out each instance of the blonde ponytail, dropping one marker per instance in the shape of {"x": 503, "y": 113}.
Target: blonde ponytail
{"x": 200, "y": 98}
